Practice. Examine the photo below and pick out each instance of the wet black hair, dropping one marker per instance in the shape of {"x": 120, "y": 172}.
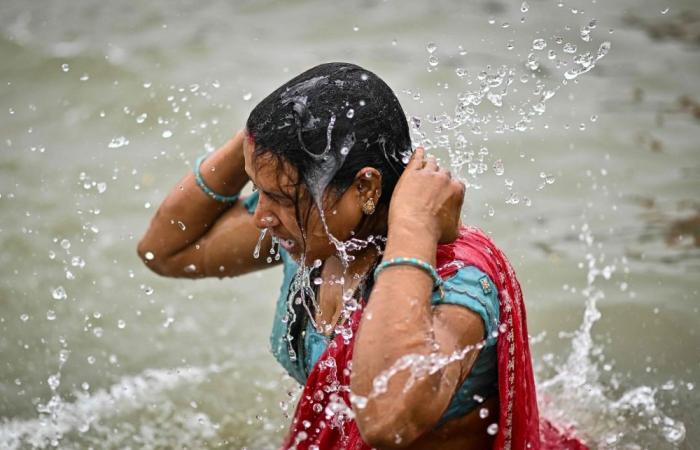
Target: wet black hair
{"x": 331, "y": 121}
{"x": 328, "y": 123}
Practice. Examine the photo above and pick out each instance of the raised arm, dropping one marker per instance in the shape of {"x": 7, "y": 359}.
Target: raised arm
{"x": 400, "y": 321}
{"x": 193, "y": 235}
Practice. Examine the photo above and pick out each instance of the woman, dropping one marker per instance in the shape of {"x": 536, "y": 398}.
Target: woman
{"x": 405, "y": 329}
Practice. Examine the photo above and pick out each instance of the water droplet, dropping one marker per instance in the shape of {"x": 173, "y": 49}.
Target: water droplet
{"x": 167, "y": 133}
{"x": 513, "y": 199}
{"x": 141, "y": 118}
{"x": 364, "y": 77}
{"x": 350, "y": 113}
{"x": 524, "y": 7}
{"x": 498, "y": 168}
{"x": 121, "y": 324}
{"x": 190, "y": 268}
{"x": 492, "y": 429}
{"x": 539, "y": 44}
{"x": 569, "y": 48}
{"x": 119, "y": 141}
{"x": 181, "y": 225}
{"x": 98, "y": 332}
{"x": 50, "y": 314}
{"x": 483, "y": 413}
{"x": 247, "y": 96}
{"x": 65, "y": 67}
{"x": 77, "y": 261}
{"x": 147, "y": 84}
{"x": 665, "y": 11}
{"x": 59, "y": 293}
{"x": 24, "y": 317}
{"x": 54, "y": 381}
{"x": 431, "y": 47}
{"x": 149, "y": 256}
{"x": 84, "y": 77}
{"x": 65, "y": 244}
{"x": 101, "y": 187}
{"x": 510, "y": 45}
{"x": 256, "y": 251}
{"x": 318, "y": 281}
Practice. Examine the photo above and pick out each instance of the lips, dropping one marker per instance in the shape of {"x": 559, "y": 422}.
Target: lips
{"x": 289, "y": 245}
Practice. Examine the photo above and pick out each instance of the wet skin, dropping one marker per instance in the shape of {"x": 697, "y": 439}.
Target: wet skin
{"x": 424, "y": 211}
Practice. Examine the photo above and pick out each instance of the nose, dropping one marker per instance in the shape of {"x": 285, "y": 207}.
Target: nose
{"x": 263, "y": 216}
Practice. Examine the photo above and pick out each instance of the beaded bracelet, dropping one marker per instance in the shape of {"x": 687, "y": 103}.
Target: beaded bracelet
{"x": 203, "y": 186}
{"x": 415, "y": 262}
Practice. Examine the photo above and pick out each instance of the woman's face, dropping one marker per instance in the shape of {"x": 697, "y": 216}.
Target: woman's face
{"x": 276, "y": 182}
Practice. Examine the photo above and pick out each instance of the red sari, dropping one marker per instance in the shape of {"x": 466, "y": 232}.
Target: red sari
{"x": 324, "y": 419}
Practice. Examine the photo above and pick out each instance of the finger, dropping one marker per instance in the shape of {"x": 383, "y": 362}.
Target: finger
{"x": 446, "y": 172}
{"x": 431, "y": 163}
{"x": 416, "y": 161}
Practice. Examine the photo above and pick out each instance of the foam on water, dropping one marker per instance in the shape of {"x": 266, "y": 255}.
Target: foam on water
{"x": 58, "y": 418}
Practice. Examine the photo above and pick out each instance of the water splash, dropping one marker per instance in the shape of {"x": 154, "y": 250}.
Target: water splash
{"x": 576, "y": 396}
{"x": 258, "y": 245}
{"x": 58, "y": 418}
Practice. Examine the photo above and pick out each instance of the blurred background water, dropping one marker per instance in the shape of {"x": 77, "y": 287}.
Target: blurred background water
{"x": 594, "y": 197}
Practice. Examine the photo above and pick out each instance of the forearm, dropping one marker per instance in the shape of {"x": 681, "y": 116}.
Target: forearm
{"x": 400, "y": 300}
{"x": 398, "y": 322}
{"x": 187, "y": 213}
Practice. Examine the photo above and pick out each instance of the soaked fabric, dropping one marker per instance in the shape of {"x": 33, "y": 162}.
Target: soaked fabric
{"x": 324, "y": 417}
{"x": 464, "y": 289}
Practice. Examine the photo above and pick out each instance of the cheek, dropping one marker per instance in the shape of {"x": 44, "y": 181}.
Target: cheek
{"x": 342, "y": 219}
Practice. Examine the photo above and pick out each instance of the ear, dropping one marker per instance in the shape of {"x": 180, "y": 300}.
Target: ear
{"x": 368, "y": 182}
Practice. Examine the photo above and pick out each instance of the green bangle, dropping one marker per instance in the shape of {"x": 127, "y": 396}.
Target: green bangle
{"x": 203, "y": 186}
{"x": 415, "y": 262}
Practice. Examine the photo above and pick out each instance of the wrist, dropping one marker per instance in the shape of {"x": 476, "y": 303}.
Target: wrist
{"x": 224, "y": 170}
{"x": 411, "y": 239}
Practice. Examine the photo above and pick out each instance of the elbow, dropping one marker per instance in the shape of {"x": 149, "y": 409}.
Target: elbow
{"x": 391, "y": 431}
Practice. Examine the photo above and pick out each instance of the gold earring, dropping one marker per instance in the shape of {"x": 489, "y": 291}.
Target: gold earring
{"x": 368, "y": 207}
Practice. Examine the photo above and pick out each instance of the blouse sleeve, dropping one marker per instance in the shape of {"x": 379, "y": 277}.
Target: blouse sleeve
{"x": 473, "y": 289}
{"x": 251, "y": 202}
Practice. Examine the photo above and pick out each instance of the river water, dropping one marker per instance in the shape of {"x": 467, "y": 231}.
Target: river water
{"x": 594, "y": 198}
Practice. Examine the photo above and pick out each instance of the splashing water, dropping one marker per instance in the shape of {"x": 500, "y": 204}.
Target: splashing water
{"x": 577, "y": 396}
{"x": 258, "y": 245}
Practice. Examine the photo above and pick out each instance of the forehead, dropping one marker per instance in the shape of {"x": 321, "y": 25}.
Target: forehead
{"x": 267, "y": 169}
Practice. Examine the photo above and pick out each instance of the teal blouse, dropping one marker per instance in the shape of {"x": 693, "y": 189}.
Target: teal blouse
{"x": 468, "y": 287}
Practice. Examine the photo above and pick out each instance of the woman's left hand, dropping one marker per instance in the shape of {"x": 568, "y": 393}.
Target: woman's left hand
{"x": 426, "y": 197}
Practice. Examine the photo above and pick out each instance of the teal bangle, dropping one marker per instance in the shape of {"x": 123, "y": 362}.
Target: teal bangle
{"x": 415, "y": 262}
{"x": 203, "y": 186}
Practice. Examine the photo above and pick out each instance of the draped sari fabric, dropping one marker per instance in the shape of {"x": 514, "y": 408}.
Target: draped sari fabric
{"x": 324, "y": 417}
